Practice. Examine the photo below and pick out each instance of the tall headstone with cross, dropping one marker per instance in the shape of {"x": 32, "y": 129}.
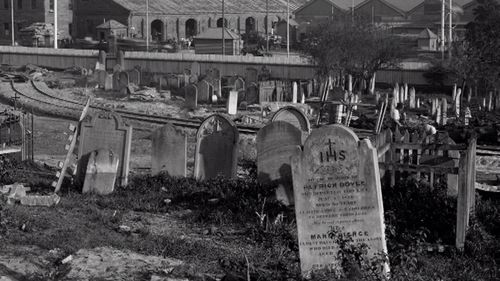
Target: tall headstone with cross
{"x": 336, "y": 182}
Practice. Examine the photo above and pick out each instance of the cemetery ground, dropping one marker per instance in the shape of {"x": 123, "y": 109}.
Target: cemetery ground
{"x": 179, "y": 228}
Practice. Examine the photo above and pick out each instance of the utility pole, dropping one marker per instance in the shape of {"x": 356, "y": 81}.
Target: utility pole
{"x": 12, "y": 22}
{"x": 443, "y": 12}
{"x": 55, "y": 25}
{"x": 267, "y": 26}
{"x": 288, "y": 28}
{"x": 147, "y": 25}
{"x": 450, "y": 33}
{"x": 223, "y": 30}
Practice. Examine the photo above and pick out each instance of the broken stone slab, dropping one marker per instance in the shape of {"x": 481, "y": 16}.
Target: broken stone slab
{"x": 17, "y": 191}
{"x": 40, "y": 200}
{"x": 101, "y": 172}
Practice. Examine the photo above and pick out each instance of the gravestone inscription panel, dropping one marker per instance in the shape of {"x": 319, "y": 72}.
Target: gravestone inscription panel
{"x": 216, "y": 148}
{"x": 105, "y": 130}
{"x": 336, "y": 183}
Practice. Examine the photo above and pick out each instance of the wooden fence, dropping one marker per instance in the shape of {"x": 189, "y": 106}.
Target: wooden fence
{"x": 436, "y": 158}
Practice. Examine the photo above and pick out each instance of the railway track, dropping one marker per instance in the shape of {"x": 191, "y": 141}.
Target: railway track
{"x": 39, "y": 92}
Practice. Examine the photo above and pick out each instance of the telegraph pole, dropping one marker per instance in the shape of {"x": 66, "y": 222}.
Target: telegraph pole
{"x": 12, "y": 22}
{"x": 147, "y": 25}
{"x": 288, "y": 28}
{"x": 443, "y": 15}
{"x": 267, "y": 26}
{"x": 450, "y": 33}
{"x": 223, "y": 30}
{"x": 55, "y": 24}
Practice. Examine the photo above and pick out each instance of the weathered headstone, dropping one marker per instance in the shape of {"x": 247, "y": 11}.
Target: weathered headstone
{"x": 105, "y": 130}
{"x": 169, "y": 151}
{"x": 252, "y": 93}
{"x": 295, "y": 117}
{"x": 295, "y": 92}
{"x": 195, "y": 69}
{"x": 117, "y": 68}
{"x": 101, "y": 172}
{"x": 116, "y": 81}
{"x": 336, "y": 182}
{"x": 232, "y": 103}
{"x": 251, "y": 75}
{"x": 134, "y": 76}
{"x": 108, "y": 83}
{"x": 239, "y": 84}
{"x": 216, "y": 148}
{"x": 444, "y": 111}
{"x": 205, "y": 91}
{"x": 276, "y": 143}
{"x": 457, "y": 102}
{"x": 102, "y": 57}
{"x": 120, "y": 60}
{"x": 123, "y": 80}
{"x": 191, "y": 96}
{"x": 173, "y": 81}
{"x": 266, "y": 91}
{"x": 412, "y": 98}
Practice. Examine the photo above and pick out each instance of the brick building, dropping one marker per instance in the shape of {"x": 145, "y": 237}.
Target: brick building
{"x": 27, "y": 12}
{"x": 178, "y": 18}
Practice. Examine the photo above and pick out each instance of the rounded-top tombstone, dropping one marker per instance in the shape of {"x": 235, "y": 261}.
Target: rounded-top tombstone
{"x": 336, "y": 182}
{"x": 295, "y": 117}
{"x": 276, "y": 143}
{"x": 216, "y": 148}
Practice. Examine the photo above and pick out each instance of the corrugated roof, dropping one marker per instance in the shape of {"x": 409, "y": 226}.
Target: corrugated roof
{"x": 216, "y": 33}
{"x": 404, "y": 5}
{"x": 190, "y": 7}
{"x": 346, "y": 4}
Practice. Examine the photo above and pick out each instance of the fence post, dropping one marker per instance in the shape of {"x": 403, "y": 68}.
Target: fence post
{"x": 466, "y": 192}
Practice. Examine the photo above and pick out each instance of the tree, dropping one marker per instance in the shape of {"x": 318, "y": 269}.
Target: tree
{"x": 357, "y": 48}
{"x": 481, "y": 59}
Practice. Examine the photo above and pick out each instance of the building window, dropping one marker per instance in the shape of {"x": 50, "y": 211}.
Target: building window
{"x": 6, "y": 28}
{"x": 5, "y": 4}
{"x": 70, "y": 28}
{"x": 33, "y": 4}
{"x": 19, "y": 4}
{"x": 89, "y": 26}
{"x": 51, "y": 5}
{"x": 70, "y": 5}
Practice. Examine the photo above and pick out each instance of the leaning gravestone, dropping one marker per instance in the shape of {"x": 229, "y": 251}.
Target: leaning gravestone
{"x": 295, "y": 117}
{"x": 191, "y": 96}
{"x": 108, "y": 83}
{"x": 336, "y": 183}
{"x": 169, "y": 151}
{"x": 276, "y": 143}
{"x": 116, "y": 81}
{"x": 239, "y": 84}
{"x": 100, "y": 175}
{"x": 105, "y": 130}
{"x": 216, "y": 148}
{"x": 123, "y": 80}
{"x": 232, "y": 103}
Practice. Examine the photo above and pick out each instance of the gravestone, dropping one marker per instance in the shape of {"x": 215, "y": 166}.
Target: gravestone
{"x": 117, "y": 68}
{"x": 123, "y": 80}
{"x": 295, "y": 117}
{"x": 173, "y": 81}
{"x": 205, "y": 91}
{"x": 191, "y": 96}
{"x": 336, "y": 182}
{"x": 412, "y": 98}
{"x": 232, "y": 103}
{"x": 101, "y": 77}
{"x": 169, "y": 152}
{"x": 266, "y": 91}
{"x": 251, "y": 75}
{"x": 280, "y": 91}
{"x": 195, "y": 69}
{"x": 134, "y": 76}
{"x": 102, "y": 57}
{"x": 101, "y": 172}
{"x": 216, "y": 148}
{"x": 116, "y": 81}
{"x": 252, "y": 94}
{"x": 444, "y": 111}
{"x": 239, "y": 84}
{"x": 276, "y": 143}
{"x": 457, "y": 102}
{"x": 120, "y": 60}
{"x": 310, "y": 89}
{"x": 108, "y": 83}
{"x": 105, "y": 130}
{"x": 295, "y": 92}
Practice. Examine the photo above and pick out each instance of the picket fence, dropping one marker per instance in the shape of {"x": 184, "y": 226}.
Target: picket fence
{"x": 437, "y": 158}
